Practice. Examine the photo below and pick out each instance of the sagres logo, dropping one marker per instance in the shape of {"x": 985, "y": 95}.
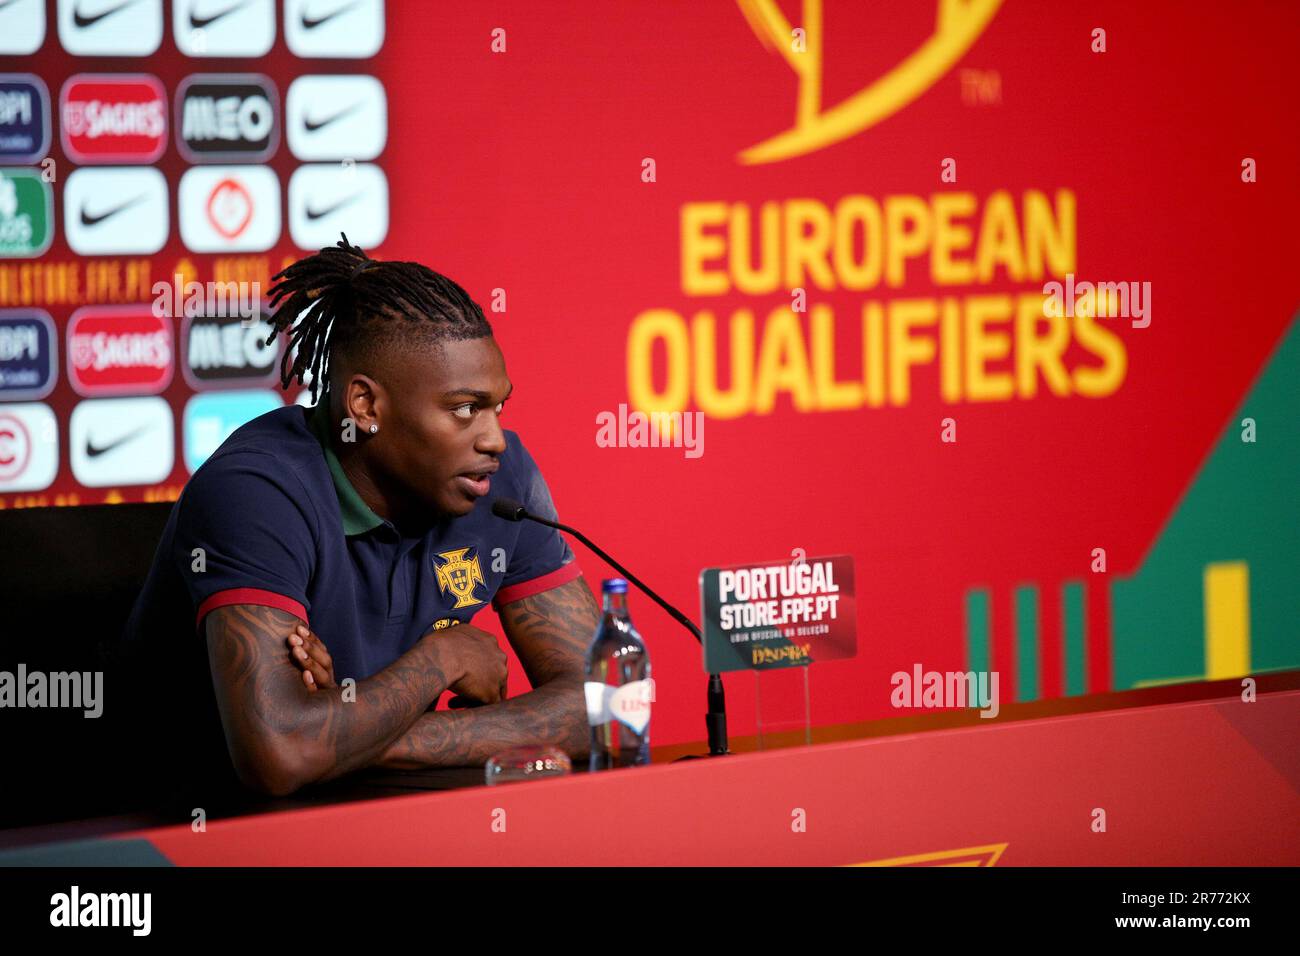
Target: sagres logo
{"x": 119, "y": 350}
{"x": 459, "y": 576}
{"x": 113, "y": 118}
{"x": 958, "y": 23}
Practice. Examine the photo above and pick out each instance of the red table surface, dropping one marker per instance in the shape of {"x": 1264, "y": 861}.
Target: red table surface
{"x": 1213, "y": 783}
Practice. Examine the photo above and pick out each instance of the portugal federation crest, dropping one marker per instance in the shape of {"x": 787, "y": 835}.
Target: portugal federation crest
{"x": 459, "y": 576}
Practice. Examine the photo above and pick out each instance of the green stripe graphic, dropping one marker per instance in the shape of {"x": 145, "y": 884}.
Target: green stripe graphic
{"x": 1026, "y": 602}
{"x": 977, "y": 629}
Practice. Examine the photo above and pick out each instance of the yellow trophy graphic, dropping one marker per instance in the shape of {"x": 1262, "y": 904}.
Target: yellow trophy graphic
{"x": 459, "y": 576}
{"x": 958, "y": 23}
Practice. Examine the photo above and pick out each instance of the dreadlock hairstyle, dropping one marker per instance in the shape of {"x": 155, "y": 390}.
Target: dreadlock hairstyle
{"x": 342, "y": 300}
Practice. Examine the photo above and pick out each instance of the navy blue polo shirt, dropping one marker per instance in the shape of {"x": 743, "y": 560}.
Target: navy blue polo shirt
{"x": 271, "y": 519}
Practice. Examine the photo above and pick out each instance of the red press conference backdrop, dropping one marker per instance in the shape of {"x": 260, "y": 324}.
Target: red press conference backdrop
{"x": 827, "y": 229}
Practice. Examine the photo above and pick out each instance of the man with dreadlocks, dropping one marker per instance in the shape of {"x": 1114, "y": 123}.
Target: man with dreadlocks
{"x": 331, "y": 559}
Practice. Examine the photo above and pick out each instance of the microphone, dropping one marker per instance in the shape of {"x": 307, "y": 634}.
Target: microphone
{"x": 716, "y": 718}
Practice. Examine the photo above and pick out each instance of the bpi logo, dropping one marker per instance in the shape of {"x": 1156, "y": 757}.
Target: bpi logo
{"x": 227, "y": 118}
{"x": 113, "y": 118}
{"x": 110, "y": 27}
{"x": 228, "y": 351}
{"x": 27, "y": 365}
{"x": 229, "y": 208}
{"x": 958, "y": 24}
{"x": 29, "y": 447}
{"x": 122, "y": 350}
{"x": 24, "y": 118}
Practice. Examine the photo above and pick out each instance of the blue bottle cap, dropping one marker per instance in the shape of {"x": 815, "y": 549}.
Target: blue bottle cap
{"x": 614, "y": 586}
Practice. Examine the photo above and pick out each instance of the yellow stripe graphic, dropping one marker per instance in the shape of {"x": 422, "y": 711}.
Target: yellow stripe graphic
{"x": 1227, "y": 620}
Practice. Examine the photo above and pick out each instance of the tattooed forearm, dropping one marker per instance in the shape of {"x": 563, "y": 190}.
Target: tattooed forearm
{"x": 550, "y": 632}
{"x": 282, "y": 736}
{"x": 554, "y": 713}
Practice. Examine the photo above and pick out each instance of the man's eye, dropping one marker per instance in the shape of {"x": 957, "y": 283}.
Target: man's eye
{"x": 463, "y": 411}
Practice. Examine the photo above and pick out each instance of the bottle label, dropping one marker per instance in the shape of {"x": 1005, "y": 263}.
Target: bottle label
{"x": 628, "y": 704}
{"x": 598, "y": 695}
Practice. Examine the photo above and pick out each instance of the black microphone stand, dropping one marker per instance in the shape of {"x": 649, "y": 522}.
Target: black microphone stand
{"x": 716, "y": 718}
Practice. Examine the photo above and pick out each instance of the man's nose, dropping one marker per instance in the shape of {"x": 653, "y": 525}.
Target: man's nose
{"x": 492, "y": 440}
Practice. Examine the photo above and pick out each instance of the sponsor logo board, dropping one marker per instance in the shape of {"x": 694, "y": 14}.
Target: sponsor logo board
{"x": 334, "y": 28}
{"x": 28, "y": 363}
{"x": 336, "y": 118}
{"x": 211, "y": 417}
{"x": 110, "y": 27}
{"x": 328, "y": 198}
{"x": 24, "y": 117}
{"x": 227, "y": 118}
{"x": 229, "y": 208}
{"x": 22, "y": 26}
{"x": 26, "y": 214}
{"x": 119, "y": 350}
{"x": 116, "y": 211}
{"x": 29, "y": 447}
{"x": 223, "y": 27}
{"x": 121, "y": 441}
{"x": 113, "y": 118}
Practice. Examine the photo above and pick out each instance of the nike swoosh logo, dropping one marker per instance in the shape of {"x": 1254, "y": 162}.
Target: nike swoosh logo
{"x": 312, "y": 125}
{"x": 322, "y": 213}
{"x": 308, "y": 23}
{"x": 88, "y": 220}
{"x": 81, "y": 20}
{"x": 198, "y": 23}
{"x": 94, "y": 451}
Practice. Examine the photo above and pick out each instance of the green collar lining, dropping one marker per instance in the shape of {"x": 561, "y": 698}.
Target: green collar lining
{"x": 357, "y": 516}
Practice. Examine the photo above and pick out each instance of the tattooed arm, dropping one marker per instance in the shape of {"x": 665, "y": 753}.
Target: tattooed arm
{"x": 280, "y": 734}
{"x": 550, "y": 632}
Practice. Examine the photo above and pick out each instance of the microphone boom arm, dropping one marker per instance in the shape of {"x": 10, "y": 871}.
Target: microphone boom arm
{"x": 675, "y": 614}
{"x": 715, "y": 719}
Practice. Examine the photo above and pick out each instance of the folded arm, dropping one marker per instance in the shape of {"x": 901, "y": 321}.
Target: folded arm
{"x": 281, "y": 734}
{"x": 550, "y": 632}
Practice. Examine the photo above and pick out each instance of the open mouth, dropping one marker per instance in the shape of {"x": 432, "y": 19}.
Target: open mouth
{"x": 475, "y": 484}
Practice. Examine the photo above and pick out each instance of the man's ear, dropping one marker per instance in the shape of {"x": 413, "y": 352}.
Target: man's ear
{"x": 362, "y": 401}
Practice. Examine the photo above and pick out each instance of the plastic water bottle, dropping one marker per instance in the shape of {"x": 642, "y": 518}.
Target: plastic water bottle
{"x": 619, "y": 688}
